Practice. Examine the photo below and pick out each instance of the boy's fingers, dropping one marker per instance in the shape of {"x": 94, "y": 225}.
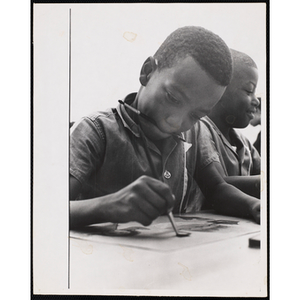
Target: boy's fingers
{"x": 143, "y": 219}
{"x": 149, "y": 200}
{"x": 149, "y": 210}
{"x": 163, "y": 191}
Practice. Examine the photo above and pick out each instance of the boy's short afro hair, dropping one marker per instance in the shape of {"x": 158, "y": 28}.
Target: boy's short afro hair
{"x": 207, "y": 48}
{"x": 240, "y": 58}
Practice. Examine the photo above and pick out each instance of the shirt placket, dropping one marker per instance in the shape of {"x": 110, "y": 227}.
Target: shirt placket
{"x": 173, "y": 171}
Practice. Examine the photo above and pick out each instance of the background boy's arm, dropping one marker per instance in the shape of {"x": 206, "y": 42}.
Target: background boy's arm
{"x": 248, "y": 184}
{"x": 143, "y": 201}
{"x": 226, "y": 198}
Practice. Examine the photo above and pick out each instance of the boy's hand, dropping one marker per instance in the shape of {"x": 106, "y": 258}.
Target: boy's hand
{"x": 255, "y": 211}
{"x": 143, "y": 201}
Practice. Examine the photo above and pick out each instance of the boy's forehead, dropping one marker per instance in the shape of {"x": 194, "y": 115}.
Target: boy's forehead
{"x": 242, "y": 73}
{"x": 186, "y": 61}
{"x": 189, "y": 70}
{"x": 190, "y": 78}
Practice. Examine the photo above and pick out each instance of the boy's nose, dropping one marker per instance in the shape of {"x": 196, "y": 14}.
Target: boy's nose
{"x": 255, "y": 101}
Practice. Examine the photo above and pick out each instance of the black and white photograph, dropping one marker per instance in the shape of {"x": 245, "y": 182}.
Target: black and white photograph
{"x": 150, "y": 167}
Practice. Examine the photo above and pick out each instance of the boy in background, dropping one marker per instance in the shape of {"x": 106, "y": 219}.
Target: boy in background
{"x": 236, "y": 160}
{"x": 111, "y": 179}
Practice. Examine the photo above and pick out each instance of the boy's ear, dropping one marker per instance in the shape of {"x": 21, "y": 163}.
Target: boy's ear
{"x": 147, "y": 70}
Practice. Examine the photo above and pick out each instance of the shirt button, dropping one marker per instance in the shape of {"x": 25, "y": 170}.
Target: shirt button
{"x": 167, "y": 174}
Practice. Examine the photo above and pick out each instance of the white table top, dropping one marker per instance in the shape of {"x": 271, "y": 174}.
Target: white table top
{"x": 134, "y": 260}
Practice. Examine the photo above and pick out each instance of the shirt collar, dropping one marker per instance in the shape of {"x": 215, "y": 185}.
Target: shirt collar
{"x": 233, "y": 134}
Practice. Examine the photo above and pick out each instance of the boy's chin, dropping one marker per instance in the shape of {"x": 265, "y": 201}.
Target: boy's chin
{"x": 241, "y": 125}
{"x": 158, "y": 137}
{"x": 154, "y": 134}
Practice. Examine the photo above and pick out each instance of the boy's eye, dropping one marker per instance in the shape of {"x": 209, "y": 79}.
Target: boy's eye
{"x": 249, "y": 92}
{"x": 172, "y": 99}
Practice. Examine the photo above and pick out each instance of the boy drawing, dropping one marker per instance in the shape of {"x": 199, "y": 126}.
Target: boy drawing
{"x": 110, "y": 176}
{"x": 237, "y": 160}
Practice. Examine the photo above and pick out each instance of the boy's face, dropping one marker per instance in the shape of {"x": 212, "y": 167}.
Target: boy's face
{"x": 176, "y": 98}
{"x": 239, "y": 101}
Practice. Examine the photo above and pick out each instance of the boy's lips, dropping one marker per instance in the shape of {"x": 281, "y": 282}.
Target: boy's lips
{"x": 251, "y": 113}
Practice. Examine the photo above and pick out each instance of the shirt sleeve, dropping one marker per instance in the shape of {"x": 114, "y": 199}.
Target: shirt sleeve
{"x": 87, "y": 147}
{"x": 206, "y": 148}
{"x": 255, "y": 157}
{"x": 256, "y": 170}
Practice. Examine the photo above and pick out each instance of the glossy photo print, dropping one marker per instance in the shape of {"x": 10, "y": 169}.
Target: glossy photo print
{"x": 149, "y": 149}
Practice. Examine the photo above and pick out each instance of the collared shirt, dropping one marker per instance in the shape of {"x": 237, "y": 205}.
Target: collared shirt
{"x": 241, "y": 159}
{"x": 107, "y": 154}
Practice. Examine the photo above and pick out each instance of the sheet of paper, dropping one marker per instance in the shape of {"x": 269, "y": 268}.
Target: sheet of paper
{"x": 160, "y": 236}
